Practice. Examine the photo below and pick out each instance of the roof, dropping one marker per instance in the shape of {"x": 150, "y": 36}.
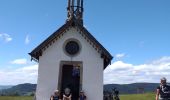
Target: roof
{"x": 37, "y": 52}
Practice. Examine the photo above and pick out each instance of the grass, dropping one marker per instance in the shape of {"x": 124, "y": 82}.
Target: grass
{"x": 147, "y": 96}
{"x": 16, "y": 98}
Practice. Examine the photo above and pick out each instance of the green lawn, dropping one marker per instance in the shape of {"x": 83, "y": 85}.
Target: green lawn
{"x": 147, "y": 96}
{"x": 16, "y": 98}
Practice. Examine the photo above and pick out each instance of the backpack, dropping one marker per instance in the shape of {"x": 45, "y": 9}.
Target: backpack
{"x": 165, "y": 91}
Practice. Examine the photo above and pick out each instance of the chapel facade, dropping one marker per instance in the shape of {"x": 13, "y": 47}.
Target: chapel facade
{"x": 71, "y": 58}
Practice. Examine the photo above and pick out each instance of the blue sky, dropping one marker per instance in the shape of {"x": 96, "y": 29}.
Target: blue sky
{"x": 135, "y": 32}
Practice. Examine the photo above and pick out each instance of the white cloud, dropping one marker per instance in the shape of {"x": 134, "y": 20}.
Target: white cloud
{"x": 120, "y": 55}
{"x": 27, "y": 74}
{"x": 122, "y": 73}
{"x": 27, "y": 39}
{"x": 5, "y": 37}
{"x": 118, "y": 72}
{"x": 19, "y": 61}
{"x": 163, "y": 60}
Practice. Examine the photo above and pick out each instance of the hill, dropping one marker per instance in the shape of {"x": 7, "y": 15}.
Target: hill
{"x": 132, "y": 88}
{"x": 29, "y": 89}
{"x": 147, "y": 96}
{"x": 5, "y": 86}
{"x": 21, "y": 89}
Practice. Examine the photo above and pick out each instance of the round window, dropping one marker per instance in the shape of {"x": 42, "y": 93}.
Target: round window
{"x": 72, "y": 48}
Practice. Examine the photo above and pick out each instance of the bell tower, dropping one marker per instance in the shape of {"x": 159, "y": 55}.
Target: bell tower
{"x": 75, "y": 11}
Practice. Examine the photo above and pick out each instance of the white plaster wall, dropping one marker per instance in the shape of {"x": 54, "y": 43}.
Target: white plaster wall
{"x": 49, "y": 63}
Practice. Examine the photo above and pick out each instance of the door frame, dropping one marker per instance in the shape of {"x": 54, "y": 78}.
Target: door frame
{"x": 62, "y": 63}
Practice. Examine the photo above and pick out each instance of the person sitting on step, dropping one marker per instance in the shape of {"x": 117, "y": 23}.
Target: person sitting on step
{"x": 82, "y": 96}
{"x": 56, "y": 95}
{"x": 67, "y": 94}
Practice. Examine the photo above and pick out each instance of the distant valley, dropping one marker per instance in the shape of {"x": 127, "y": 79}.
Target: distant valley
{"x": 29, "y": 89}
{"x": 26, "y": 89}
{"x": 135, "y": 88}
{"x": 5, "y": 86}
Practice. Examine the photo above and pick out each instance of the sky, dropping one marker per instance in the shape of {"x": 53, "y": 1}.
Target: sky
{"x": 135, "y": 32}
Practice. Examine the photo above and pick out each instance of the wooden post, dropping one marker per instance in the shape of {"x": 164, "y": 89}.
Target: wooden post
{"x": 82, "y": 7}
{"x": 72, "y": 6}
{"x": 78, "y": 3}
{"x": 68, "y": 4}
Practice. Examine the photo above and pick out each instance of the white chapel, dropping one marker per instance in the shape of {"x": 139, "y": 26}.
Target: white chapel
{"x": 71, "y": 58}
